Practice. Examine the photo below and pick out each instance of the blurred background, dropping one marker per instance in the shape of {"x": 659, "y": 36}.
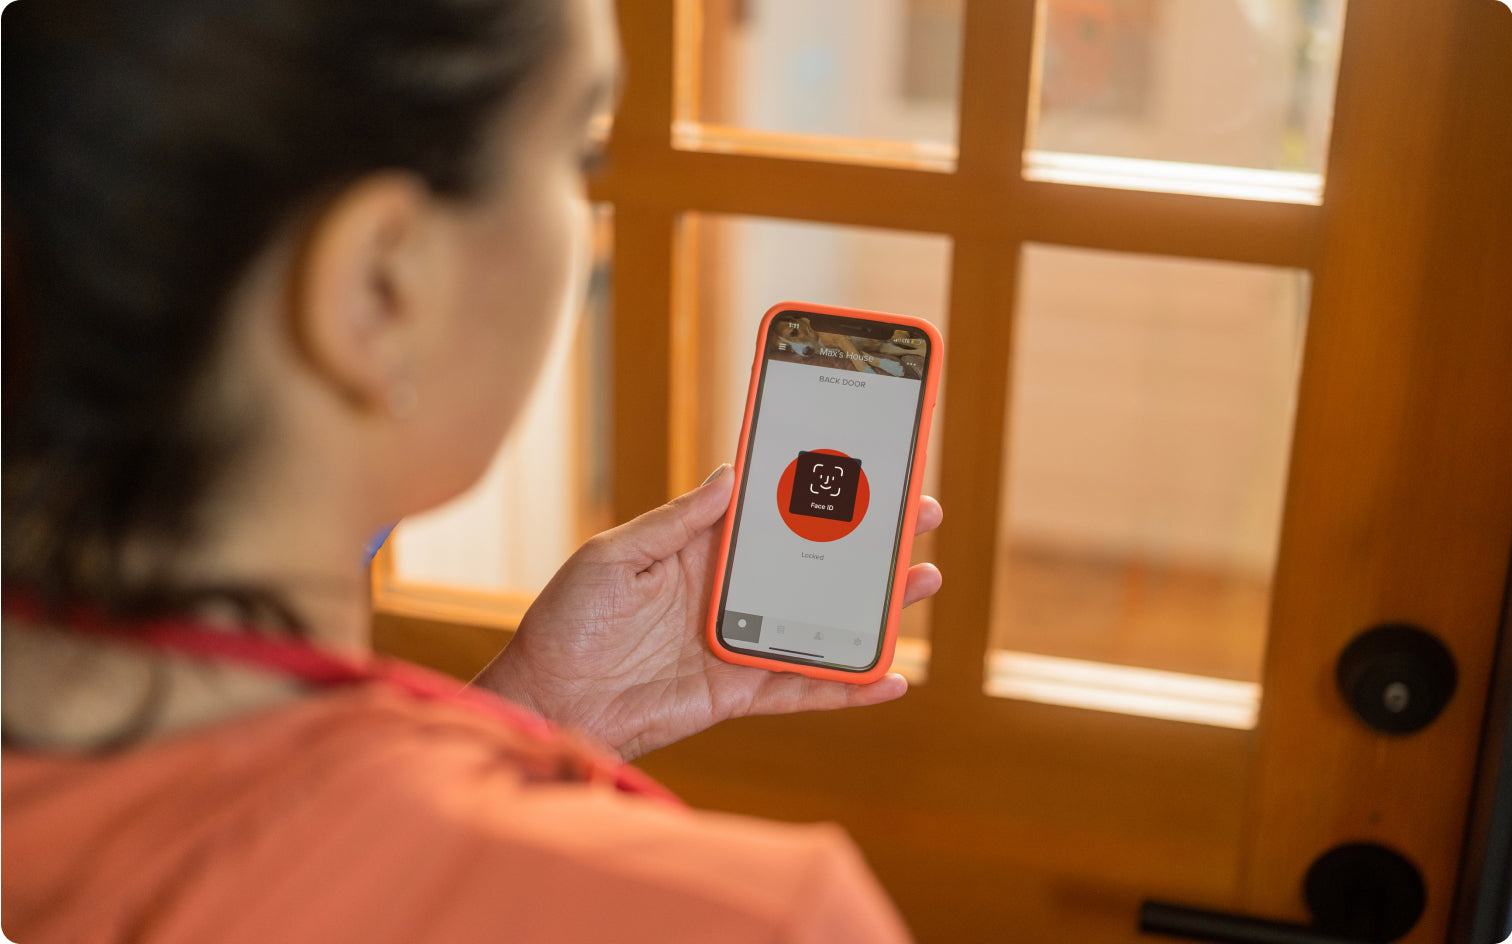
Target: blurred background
{"x": 1152, "y": 397}
{"x": 1143, "y": 234}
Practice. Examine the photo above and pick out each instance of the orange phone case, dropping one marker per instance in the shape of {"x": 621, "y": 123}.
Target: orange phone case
{"x": 910, "y": 506}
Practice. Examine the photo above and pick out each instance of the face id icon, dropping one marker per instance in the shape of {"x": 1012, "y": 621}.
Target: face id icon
{"x": 822, "y": 496}
{"x": 824, "y": 486}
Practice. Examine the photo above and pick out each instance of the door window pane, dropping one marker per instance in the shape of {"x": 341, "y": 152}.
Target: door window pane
{"x": 743, "y": 265}
{"x": 547, "y": 489}
{"x": 885, "y": 71}
{"x": 1231, "y": 83}
{"x": 1146, "y": 459}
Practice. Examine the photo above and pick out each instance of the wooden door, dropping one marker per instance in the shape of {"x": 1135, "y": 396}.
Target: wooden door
{"x": 1007, "y": 818}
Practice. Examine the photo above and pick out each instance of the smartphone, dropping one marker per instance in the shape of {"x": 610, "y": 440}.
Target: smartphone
{"x": 810, "y": 572}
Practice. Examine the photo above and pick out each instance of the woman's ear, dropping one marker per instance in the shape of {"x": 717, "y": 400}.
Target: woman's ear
{"x": 362, "y": 283}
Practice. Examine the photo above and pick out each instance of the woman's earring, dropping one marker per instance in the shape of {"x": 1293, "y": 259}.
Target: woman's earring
{"x": 402, "y": 400}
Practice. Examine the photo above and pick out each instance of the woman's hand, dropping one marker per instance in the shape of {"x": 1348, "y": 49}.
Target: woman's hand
{"x": 614, "y": 646}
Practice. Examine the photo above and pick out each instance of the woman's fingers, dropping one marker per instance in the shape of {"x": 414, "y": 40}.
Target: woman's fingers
{"x": 930, "y": 514}
{"x": 923, "y": 581}
{"x": 785, "y": 693}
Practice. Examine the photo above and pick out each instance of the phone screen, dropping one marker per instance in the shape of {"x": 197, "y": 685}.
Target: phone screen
{"x": 820, "y": 514}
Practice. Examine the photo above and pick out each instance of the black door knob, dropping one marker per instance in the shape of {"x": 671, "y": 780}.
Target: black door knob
{"x": 1364, "y": 891}
{"x": 1397, "y": 677}
{"x": 1358, "y": 893}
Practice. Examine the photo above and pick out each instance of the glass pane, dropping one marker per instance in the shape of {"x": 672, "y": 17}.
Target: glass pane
{"x": 880, "y": 70}
{"x": 1235, "y": 83}
{"x": 746, "y": 265}
{"x": 1150, "y": 428}
{"x": 547, "y": 489}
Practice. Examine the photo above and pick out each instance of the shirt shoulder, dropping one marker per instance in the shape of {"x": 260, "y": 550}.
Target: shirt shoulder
{"x": 373, "y": 816}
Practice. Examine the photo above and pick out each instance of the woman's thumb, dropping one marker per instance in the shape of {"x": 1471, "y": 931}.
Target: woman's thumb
{"x": 662, "y": 532}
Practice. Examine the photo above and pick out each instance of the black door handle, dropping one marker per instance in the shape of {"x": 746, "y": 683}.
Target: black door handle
{"x": 1196, "y": 924}
{"x": 1360, "y": 893}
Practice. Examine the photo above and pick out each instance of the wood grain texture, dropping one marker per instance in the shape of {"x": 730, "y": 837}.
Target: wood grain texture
{"x": 1400, "y": 502}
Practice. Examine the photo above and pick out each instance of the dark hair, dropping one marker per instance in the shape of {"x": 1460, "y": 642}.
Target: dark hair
{"x": 151, "y": 148}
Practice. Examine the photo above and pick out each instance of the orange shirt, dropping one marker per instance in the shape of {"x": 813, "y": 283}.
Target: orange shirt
{"x": 364, "y": 814}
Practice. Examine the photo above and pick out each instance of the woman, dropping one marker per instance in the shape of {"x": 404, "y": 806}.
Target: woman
{"x": 277, "y": 272}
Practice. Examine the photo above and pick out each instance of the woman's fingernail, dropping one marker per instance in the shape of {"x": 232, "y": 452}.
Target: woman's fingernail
{"x": 715, "y": 474}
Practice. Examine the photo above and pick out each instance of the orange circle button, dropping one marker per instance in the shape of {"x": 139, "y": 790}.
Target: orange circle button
{"x": 822, "y": 495}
